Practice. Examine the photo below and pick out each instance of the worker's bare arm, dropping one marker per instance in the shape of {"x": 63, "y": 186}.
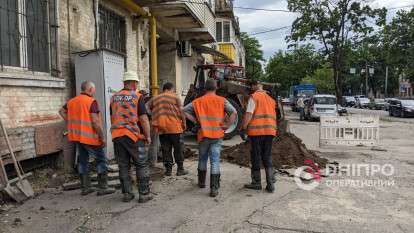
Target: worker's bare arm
{"x": 230, "y": 120}
{"x": 183, "y": 116}
{"x": 144, "y": 121}
{"x": 63, "y": 113}
{"x": 246, "y": 120}
{"x": 97, "y": 126}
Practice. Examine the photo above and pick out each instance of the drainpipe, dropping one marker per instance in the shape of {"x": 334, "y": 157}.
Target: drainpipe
{"x": 132, "y": 6}
{"x": 154, "y": 67}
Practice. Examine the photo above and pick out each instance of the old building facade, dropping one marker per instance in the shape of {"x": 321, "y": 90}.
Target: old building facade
{"x": 39, "y": 38}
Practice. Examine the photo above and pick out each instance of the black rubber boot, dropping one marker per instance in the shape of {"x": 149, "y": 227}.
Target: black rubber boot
{"x": 270, "y": 180}
{"x": 168, "y": 170}
{"x": 256, "y": 181}
{"x": 202, "y": 178}
{"x": 85, "y": 184}
{"x": 180, "y": 170}
{"x": 126, "y": 190}
{"x": 103, "y": 188}
{"x": 214, "y": 184}
{"x": 144, "y": 190}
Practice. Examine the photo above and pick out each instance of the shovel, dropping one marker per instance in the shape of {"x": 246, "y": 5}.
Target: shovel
{"x": 23, "y": 189}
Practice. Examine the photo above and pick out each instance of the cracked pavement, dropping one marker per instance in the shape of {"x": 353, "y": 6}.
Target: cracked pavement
{"x": 180, "y": 206}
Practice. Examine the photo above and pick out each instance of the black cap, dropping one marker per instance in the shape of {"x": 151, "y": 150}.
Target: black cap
{"x": 253, "y": 82}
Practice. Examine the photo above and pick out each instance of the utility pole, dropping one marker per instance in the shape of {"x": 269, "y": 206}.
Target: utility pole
{"x": 386, "y": 82}
{"x": 366, "y": 79}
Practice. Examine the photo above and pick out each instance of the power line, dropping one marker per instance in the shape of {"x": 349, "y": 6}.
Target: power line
{"x": 262, "y": 9}
{"x": 270, "y": 30}
{"x": 400, "y": 7}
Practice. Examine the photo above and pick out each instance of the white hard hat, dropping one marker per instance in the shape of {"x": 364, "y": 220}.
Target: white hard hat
{"x": 130, "y": 76}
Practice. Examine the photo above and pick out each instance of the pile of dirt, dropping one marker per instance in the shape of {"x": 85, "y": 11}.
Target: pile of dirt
{"x": 288, "y": 152}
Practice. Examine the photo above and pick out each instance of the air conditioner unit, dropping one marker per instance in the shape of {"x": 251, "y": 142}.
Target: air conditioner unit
{"x": 184, "y": 48}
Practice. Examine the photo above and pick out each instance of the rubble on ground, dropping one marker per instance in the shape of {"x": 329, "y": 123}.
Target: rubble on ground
{"x": 288, "y": 152}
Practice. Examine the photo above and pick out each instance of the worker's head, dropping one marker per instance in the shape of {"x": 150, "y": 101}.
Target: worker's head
{"x": 88, "y": 87}
{"x": 256, "y": 85}
{"x": 131, "y": 80}
{"x": 168, "y": 87}
{"x": 211, "y": 85}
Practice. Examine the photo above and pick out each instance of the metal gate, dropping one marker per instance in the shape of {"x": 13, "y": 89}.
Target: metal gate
{"x": 349, "y": 131}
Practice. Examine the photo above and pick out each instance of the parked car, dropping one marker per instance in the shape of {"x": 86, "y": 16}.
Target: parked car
{"x": 321, "y": 105}
{"x": 378, "y": 104}
{"x": 401, "y": 108}
{"x": 363, "y": 102}
{"x": 387, "y": 103}
{"x": 348, "y": 101}
{"x": 286, "y": 101}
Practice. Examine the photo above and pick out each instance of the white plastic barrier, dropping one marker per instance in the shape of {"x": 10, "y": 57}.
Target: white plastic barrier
{"x": 349, "y": 130}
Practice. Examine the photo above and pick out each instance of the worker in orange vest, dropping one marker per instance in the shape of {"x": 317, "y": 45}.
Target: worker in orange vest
{"x": 84, "y": 124}
{"x": 130, "y": 132}
{"x": 209, "y": 111}
{"x": 168, "y": 120}
{"x": 260, "y": 125}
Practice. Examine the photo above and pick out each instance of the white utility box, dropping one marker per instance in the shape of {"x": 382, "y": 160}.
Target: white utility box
{"x": 105, "y": 68}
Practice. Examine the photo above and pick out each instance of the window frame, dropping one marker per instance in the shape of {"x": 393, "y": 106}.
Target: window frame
{"x": 24, "y": 68}
{"x": 220, "y": 29}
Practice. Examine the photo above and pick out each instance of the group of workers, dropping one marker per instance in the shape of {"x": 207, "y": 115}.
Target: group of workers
{"x": 132, "y": 121}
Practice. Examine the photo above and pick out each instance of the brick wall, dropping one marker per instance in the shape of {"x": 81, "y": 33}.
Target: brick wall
{"x": 30, "y": 101}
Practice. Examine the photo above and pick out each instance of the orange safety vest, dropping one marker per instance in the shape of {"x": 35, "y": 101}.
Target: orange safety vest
{"x": 264, "y": 116}
{"x": 166, "y": 115}
{"x": 80, "y": 121}
{"x": 124, "y": 117}
{"x": 209, "y": 110}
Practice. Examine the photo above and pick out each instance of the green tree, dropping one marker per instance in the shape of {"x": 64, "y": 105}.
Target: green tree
{"x": 333, "y": 23}
{"x": 289, "y": 68}
{"x": 254, "y": 56}
{"x": 322, "y": 78}
{"x": 400, "y": 37}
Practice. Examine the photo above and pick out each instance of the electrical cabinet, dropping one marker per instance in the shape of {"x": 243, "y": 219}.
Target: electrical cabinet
{"x": 105, "y": 68}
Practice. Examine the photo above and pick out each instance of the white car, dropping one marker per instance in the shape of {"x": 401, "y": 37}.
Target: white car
{"x": 321, "y": 105}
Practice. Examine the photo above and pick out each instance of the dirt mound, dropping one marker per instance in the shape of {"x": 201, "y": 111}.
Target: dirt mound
{"x": 288, "y": 152}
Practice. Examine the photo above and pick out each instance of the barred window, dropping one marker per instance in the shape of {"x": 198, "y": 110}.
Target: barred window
{"x": 112, "y": 31}
{"x": 28, "y": 35}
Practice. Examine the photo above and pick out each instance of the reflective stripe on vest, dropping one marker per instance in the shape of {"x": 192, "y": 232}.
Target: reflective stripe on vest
{"x": 79, "y": 121}
{"x": 264, "y": 117}
{"x": 124, "y": 118}
{"x": 209, "y": 110}
{"x": 166, "y": 114}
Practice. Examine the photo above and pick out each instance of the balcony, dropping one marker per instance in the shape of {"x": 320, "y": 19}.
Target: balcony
{"x": 228, "y": 49}
{"x": 194, "y": 19}
{"x": 224, "y": 8}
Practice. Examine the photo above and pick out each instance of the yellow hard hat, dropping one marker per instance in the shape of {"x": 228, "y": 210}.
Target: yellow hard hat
{"x": 130, "y": 76}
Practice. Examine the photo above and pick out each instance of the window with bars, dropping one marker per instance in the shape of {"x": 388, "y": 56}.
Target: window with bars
{"x": 28, "y": 35}
{"x": 223, "y": 31}
{"x": 112, "y": 31}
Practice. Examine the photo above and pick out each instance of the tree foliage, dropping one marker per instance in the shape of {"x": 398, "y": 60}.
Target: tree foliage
{"x": 289, "y": 68}
{"x": 322, "y": 78}
{"x": 399, "y": 39}
{"x": 254, "y": 56}
{"x": 334, "y": 24}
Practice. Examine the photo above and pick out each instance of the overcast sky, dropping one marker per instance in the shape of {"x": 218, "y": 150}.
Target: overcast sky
{"x": 256, "y": 21}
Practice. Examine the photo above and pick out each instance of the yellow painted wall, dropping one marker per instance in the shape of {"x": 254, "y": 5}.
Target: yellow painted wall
{"x": 229, "y": 50}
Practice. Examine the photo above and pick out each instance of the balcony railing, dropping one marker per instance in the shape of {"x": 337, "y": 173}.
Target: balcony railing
{"x": 224, "y": 5}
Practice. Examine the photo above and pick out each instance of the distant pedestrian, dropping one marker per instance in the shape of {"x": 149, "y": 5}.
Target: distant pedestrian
{"x": 84, "y": 124}
{"x": 168, "y": 120}
{"x": 260, "y": 123}
{"x": 301, "y": 106}
{"x": 128, "y": 117}
{"x": 209, "y": 113}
